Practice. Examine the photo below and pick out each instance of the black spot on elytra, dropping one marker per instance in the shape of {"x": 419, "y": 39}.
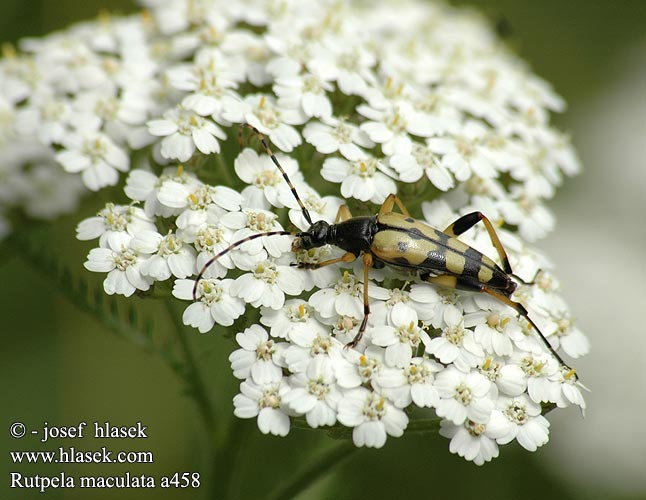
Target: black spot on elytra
{"x": 436, "y": 260}
{"x": 415, "y": 233}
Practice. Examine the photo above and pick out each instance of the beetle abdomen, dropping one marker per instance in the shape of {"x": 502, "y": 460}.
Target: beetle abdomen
{"x": 406, "y": 242}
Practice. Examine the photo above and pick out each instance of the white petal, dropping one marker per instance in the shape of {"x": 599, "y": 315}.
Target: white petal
{"x": 335, "y": 169}
{"x": 99, "y": 175}
{"x": 198, "y": 316}
{"x": 205, "y": 142}
{"x": 371, "y": 434}
{"x": 100, "y": 260}
{"x": 241, "y": 363}
{"x": 117, "y": 157}
{"x": 173, "y": 194}
{"x": 273, "y": 421}
{"x": 452, "y": 410}
{"x": 162, "y": 127}
{"x": 73, "y": 161}
{"x": 117, "y": 282}
{"x": 265, "y": 372}
{"x": 320, "y": 415}
{"x": 245, "y": 407}
{"x": 395, "y": 421}
{"x": 424, "y": 395}
{"x": 399, "y": 355}
{"x": 178, "y": 146}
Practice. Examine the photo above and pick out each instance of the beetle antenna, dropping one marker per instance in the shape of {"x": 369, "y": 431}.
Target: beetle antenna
{"x": 231, "y": 247}
{"x": 271, "y": 154}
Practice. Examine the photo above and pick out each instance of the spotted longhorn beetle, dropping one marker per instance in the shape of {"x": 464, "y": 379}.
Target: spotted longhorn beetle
{"x": 399, "y": 240}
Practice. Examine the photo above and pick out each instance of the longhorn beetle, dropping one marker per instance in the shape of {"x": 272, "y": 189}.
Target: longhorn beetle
{"x": 399, "y": 240}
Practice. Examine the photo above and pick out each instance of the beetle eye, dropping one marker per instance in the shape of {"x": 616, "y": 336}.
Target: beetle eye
{"x": 303, "y": 242}
{"x": 319, "y": 231}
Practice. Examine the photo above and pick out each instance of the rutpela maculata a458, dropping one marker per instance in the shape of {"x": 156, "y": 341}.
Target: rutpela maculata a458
{"x": 396, "y": 239}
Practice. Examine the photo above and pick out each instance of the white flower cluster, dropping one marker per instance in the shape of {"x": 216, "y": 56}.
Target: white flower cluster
{"x": 74, "y": 102}
{"x": 466, "y": 356}
{"x": 379, "y": 97}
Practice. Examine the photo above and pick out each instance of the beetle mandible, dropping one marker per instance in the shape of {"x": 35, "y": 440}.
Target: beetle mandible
{"x": 396, "y": 239}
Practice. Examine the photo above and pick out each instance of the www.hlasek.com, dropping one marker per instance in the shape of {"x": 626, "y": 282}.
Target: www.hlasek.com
{"x": 73, "y": 456}
{"x": 100, "y": 455}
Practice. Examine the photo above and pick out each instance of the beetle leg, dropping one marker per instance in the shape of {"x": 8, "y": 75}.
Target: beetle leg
{"x": 521, "y": 280}
{"x": 367, "y": 264}
{"x": 467, "y": 221}
{"x": 445, "y": 280}
{"x": 390, "y": 202}
{"x": 346, "y": 257}
{"x": 454, "y": 282}
{"x": 520, "y": 309}
{"x": 343, "y": 214}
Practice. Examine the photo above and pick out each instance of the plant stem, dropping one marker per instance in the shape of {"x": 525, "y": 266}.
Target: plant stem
{"x": 226, "y": 460}
{"x": 307, "y": 476}
{"x": 430, "y": 425}
{"x": 225, "y": 170}
{"x": 192, "y": 374}
{"x": 219, "y": 482}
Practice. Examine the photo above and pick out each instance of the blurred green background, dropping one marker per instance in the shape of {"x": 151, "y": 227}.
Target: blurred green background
{"x": 62, "y": 366}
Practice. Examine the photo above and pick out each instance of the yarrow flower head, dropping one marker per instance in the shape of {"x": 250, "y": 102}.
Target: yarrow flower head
{"x": 247, "y": 133}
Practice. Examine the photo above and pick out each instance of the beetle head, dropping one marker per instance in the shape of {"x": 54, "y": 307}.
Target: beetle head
{"x": 316, "y": 236}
